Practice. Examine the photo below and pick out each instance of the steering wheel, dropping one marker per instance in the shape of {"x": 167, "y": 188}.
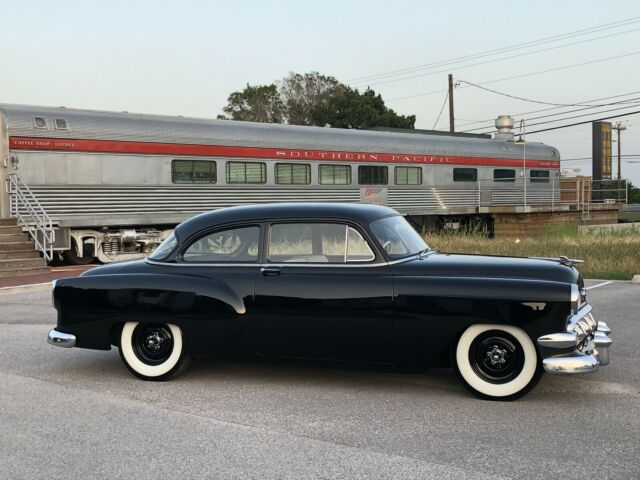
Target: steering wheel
{"x": 386, "y": 245}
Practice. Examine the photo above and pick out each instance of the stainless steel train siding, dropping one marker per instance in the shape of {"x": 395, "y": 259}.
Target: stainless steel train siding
{"x": 73, "y": 161}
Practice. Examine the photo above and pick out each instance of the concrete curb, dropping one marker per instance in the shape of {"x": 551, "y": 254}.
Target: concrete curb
{"x": 34, "y": 287}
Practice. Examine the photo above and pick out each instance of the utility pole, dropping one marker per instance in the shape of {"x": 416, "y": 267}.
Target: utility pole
{"x": 619, "y": 127}
{"x": 452, "y": 127}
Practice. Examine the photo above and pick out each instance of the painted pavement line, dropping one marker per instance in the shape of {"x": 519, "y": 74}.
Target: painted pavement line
{"x": 600, "y": 285}
{"x": 32, "y": 287}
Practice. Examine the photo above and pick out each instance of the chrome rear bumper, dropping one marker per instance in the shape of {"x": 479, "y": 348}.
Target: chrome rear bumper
{"x": 60, "y": 339}
{"x": 581, "y": 349}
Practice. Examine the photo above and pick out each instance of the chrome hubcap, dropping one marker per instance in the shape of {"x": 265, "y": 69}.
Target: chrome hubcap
{"x": 497, "y": 356}
{"x": 154, "y": 341}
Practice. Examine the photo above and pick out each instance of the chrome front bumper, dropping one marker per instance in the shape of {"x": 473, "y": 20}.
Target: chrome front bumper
{"x": 60, "y": 339}
{"x": 581, "y": 349}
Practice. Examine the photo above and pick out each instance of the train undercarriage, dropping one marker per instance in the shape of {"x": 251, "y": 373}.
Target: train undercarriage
{"x": 110, "y": 245}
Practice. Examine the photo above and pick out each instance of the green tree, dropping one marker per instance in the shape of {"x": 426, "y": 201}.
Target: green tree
{"x": 633, "y": 194}
{"x": 301, "y": 94}
{"x": 349, "y": 108}
{"x": 261, "y": 103}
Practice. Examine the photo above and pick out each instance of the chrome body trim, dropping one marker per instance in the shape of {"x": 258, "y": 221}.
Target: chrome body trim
{"x": 586, "y": 339}
{"x": 60, "y": 339}
{"x": 573, "y": 320}
{"x": 570, "y": 363}
{"x": 603, "y": 327}
{"x": 262, "y": 265}
{"x": 602, "y": 343}
{"x": 559, "y": 340}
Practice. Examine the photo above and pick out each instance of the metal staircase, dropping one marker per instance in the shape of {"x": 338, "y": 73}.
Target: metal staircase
{"x": 26, "y": 240}
{"x": 18, "y": 255}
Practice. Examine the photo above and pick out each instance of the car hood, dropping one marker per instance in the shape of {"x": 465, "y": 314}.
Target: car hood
{"x": 132, "y": 266}
{"x": 458, "y": 265}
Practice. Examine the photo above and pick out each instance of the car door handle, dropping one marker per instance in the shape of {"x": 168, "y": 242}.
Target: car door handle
{"x": 270, "y": 271}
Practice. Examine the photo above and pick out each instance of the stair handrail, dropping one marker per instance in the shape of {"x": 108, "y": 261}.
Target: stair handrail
{"x": 25, "y": 207}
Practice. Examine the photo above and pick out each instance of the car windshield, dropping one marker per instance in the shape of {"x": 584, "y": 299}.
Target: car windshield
{"x": 165, "y": 248}
{"x": 397, "y": 237}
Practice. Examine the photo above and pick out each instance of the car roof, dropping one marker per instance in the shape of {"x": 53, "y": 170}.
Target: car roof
{"x": 358, "y": 213}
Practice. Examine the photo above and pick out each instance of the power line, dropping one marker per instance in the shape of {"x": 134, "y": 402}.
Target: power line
{"x": 528, "y": 99}
{"x": 522, "y": 75}
{"x": 484, "y": 62}
{"x": 446, "y": 97}
{"x": 589, "y": 158}
{"x": 578, "y": 116}
{"x": 628, "y": 105}
{"x": 482, "y": 54}
{"x": 587, "y": 121}
{"x": 473, "y": 122}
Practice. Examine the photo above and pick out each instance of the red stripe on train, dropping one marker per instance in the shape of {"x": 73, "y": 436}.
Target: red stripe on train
{"x": 156, "y": 148}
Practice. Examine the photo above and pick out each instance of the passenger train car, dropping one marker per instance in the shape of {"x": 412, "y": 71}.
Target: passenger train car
{"x": 115, "y": 184}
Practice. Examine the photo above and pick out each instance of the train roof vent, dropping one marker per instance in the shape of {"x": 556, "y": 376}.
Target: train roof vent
{"x": 61, "y": 124}
{"x": 39, "y": 122}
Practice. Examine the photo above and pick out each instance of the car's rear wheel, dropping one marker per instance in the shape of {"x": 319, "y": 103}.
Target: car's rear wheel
{"x": 497, "y": 362}
{"x": 153, "y": 351}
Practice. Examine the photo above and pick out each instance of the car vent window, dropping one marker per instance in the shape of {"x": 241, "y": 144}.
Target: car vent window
{"x": 357, "y": 248}
{"x": 235, "y": 245}
{"x": 317, "y": 243}
{"x": 39, "y": 122}
{"x": 60, "y": 124}
{"x": 165, "y": 248}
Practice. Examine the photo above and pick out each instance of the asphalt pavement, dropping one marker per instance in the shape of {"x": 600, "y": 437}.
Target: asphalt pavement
{"x": 80, "y": 414}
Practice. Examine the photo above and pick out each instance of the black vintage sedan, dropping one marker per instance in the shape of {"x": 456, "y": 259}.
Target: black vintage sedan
{"x": 352, "y": 284}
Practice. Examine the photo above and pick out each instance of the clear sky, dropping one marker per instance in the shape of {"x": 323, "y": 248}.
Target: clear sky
{"x": 184, "y": 58}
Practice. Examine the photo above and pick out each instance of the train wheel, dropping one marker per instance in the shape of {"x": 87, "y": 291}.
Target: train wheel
{"x": 73, "y": 258}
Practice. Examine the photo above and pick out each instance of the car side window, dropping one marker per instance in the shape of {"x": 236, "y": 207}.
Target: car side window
{"x": 231, "y": 245}
{"x": 317, "y": 243}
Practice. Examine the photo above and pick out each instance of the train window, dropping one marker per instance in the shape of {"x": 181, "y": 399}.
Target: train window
{"x": 539, "y": 176}
{"x": 39, "y": 122}
{"x": 193, "y": 171}
{"x": 504, "y": 175}
{"x": 334, "y": 174}
{"x": 465, "y": 174}
{"x": 408, "y": 175}
{"x": 293, "y": 173}
{"x": 60, "y": 124}
{"x": 373, "y": 175}
{"x": 246, "y": 172}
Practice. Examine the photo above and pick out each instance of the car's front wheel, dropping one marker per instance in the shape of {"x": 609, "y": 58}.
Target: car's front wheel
{"x": 153, "y": 351}
{"x": 497, "y": 362}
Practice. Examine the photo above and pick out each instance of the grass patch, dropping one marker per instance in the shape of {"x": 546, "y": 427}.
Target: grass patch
{"x": 629, "y": 216}
{"x": 611, "y": 256}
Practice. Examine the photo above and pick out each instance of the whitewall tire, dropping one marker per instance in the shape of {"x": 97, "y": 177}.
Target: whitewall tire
{"x": 497, "y": 362}
{"x": 153, "y": 351}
